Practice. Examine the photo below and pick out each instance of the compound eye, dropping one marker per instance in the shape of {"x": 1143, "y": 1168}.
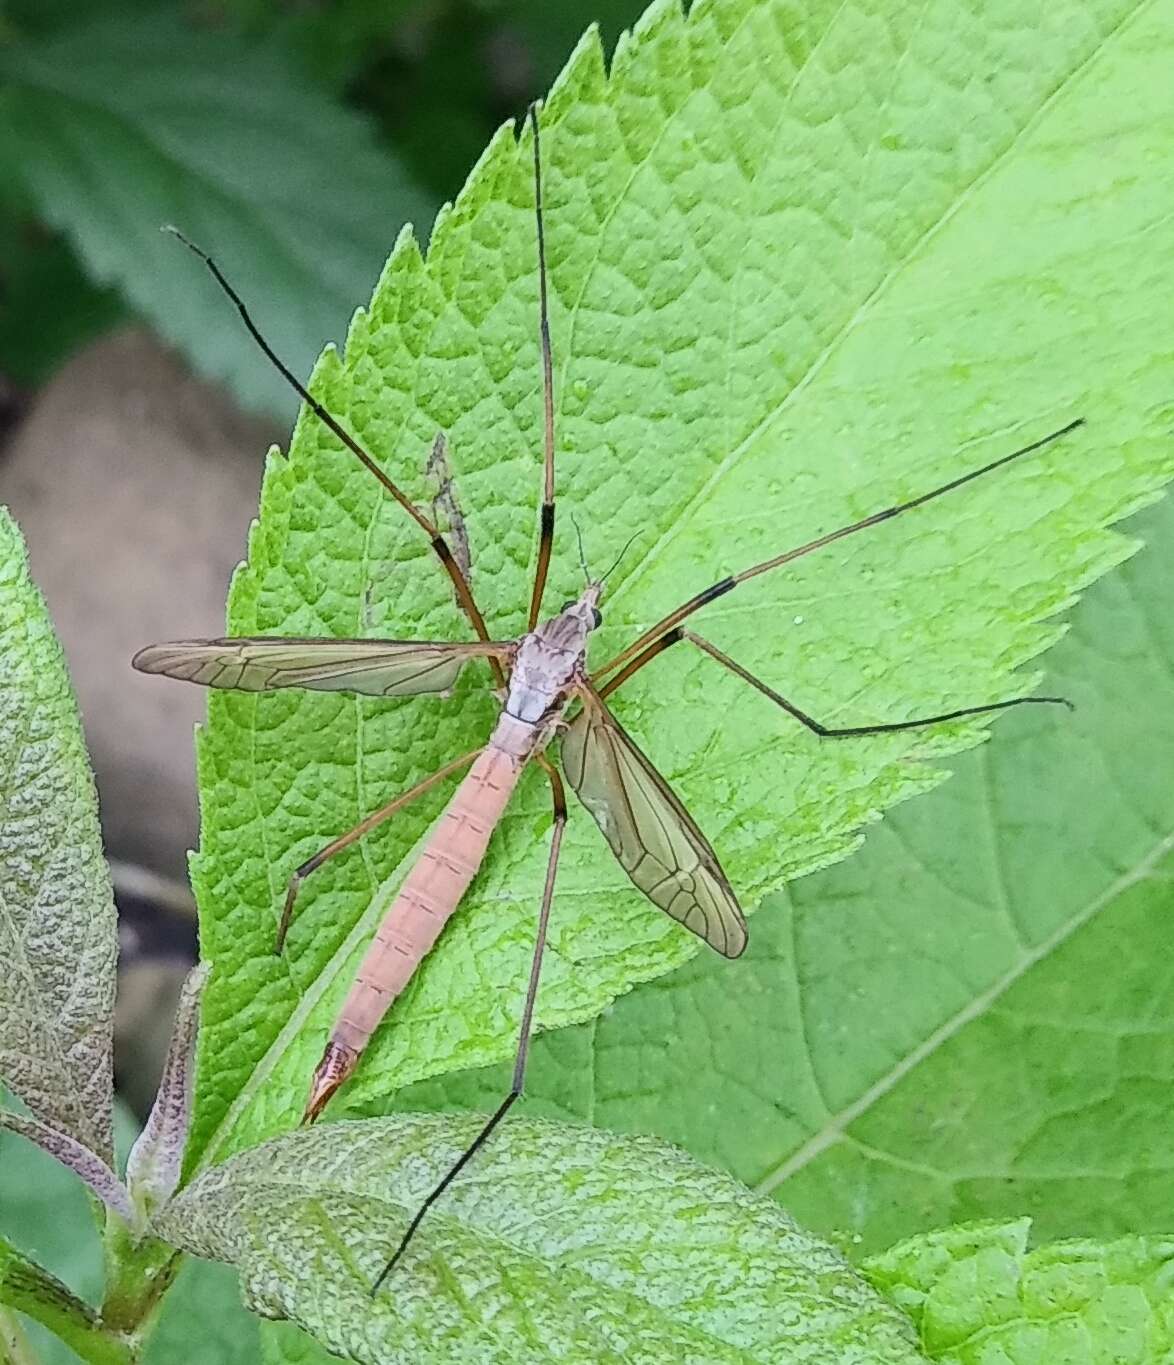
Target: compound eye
{"x": 566, "y": 606}
{"x": 596, "y": 618}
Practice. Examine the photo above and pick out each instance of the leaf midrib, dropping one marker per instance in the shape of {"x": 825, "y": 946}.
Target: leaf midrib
{"x": 675, "y": 524}
{"x": 835, "y": 1129}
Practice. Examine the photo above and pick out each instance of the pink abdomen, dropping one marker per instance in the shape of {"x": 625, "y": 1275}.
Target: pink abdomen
{"x": 429, "y": 895}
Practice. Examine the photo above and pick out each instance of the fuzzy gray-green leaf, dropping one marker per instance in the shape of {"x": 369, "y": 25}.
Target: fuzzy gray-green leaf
{"x": 563, "y": 1244}
{"x": 156, "y": 1159}
{"x": 58, "y": 939}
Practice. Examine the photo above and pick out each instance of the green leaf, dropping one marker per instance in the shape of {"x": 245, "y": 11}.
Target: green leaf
{"x": 972, "y": 1017}
{"x": 58, "y": 939}
{"x": 137, "y": 120}
{"x": 569, "y": 1244}
{"x": 49, "y": 16}
{"x": 1026, "y": 1074}
{"x": 978, "y": 1296}
{"x": 335, "y": 47}
{"x": 798, "y": 269}
{"x": 48, "y": 309}
{"x": 202, "y": 1321}
{"x": 284, "y": 1344}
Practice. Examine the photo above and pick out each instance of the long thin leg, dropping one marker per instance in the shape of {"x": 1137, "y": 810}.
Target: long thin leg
{"x": 686, "y": 609}
{"x": 824, "y": 731}
{"x": 546, "y": 529}
{"x": 364, "y": 826}
{"x": 440, "y": 546}
{"x": 523, "y": 1052}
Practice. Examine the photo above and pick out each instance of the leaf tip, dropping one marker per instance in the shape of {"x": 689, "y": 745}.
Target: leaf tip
{"x": 584, "y": 72}
{"x": 156, "y": 1159}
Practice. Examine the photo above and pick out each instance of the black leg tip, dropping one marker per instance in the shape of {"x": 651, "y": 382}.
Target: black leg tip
{"x": 385, "y": 1273}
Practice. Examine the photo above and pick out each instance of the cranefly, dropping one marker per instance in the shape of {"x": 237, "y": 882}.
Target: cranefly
{"x": 542, "y": 676}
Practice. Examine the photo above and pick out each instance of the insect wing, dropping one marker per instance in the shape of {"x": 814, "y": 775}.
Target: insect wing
{"x": 375, "y": 668}
{"x": 654, "y": 837}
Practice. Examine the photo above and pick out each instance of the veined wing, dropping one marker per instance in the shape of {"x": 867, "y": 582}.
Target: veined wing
{"x": 654, "y": 837}
{"x": 376, "y": 668}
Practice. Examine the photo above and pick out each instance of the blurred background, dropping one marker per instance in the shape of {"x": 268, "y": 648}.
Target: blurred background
{"x": 293, "y": 139}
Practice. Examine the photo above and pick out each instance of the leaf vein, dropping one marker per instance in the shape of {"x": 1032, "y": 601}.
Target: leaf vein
{"x": 836, "y": 1130}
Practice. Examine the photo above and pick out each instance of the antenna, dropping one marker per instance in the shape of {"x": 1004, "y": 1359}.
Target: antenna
{"x": 616, "y": 562}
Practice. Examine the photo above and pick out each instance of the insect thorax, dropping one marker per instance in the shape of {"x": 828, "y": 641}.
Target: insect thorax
{"x": 549, "y": 659}
{"x": 542, "y": 671}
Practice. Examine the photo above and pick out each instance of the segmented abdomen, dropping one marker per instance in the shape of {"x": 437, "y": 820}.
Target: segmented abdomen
{"x": 431, "y": 892}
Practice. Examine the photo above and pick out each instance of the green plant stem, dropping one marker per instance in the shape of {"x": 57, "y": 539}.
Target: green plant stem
{"x": 138, "y": 1274}
{"x": 25, "y": 1286}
